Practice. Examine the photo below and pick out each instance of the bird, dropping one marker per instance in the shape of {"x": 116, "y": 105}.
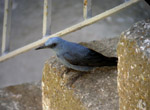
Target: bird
{"x": 77, "y": 57}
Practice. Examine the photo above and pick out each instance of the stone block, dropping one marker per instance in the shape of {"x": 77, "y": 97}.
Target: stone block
{"x": 134, "y": 67}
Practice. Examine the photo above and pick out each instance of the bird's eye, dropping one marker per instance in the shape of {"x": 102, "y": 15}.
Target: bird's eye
{"x": 53, "y": 45}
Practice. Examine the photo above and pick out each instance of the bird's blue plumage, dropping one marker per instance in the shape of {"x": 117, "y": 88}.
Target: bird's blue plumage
{"x": 76, "y": 56}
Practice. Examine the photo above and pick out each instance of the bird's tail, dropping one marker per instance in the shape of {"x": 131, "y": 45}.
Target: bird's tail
{"x": 112, "y": 61}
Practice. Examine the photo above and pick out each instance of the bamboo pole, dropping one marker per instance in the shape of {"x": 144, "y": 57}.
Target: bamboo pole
{"x": 68, "y": 30}
{"x": 6, "y": 27}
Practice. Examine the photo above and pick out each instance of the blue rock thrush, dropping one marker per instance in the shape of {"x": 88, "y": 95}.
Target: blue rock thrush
{"x": 76, "y": 56}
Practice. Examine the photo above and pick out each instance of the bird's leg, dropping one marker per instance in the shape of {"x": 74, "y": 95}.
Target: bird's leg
{"x": 66, "y": 71}
{"x": 73, "y": 78}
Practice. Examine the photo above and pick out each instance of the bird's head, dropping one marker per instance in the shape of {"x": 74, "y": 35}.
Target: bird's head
{"x": 54, "y": 43}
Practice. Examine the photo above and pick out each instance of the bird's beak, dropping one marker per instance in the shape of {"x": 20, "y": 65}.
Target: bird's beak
{"x": 41, "y": 47}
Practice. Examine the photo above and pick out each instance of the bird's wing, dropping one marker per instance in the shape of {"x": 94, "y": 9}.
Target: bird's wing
{"x": 92, "y": 58}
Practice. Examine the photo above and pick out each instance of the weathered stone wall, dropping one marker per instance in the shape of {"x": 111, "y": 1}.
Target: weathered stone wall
{"x": 95, "y": 90}
{"x": 134, "y": 67}
{"x": 21, "y": 97}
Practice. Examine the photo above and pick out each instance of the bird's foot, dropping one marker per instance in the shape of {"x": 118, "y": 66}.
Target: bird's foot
{"x": 73, "y": 78}
{"x": 66, "y": 71}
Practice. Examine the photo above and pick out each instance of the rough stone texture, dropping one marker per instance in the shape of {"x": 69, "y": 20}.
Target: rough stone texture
{"x": 95, "y": 90}
{"x": 21, "y": 97}
{"x": 134, "y": 67}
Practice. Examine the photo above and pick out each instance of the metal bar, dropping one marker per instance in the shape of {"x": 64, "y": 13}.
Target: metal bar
{"x": 6, "y": 27}
{"x": 87, "y": 9}
{"x": 68, "y": 30}
{"x": 47, "y": 17}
